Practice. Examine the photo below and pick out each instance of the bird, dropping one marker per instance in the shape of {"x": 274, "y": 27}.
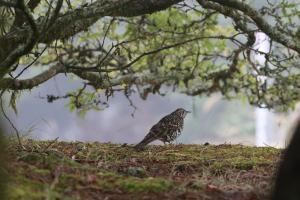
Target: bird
{"x": 166, "y": 130}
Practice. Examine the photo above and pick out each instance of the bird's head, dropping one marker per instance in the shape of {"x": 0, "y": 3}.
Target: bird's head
{"x": 182, "y": 112}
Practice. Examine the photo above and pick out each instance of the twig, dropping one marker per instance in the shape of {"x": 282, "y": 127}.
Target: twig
{"x": 55, "y": 14}
{"x": 107, "y": 30}
{"x": 30, "y": 63}
{"x": 50, "y": 144}
{"x": 10, "y": 122}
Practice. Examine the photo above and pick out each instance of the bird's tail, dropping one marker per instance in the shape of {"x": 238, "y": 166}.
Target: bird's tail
{"x": 140, "y": 146}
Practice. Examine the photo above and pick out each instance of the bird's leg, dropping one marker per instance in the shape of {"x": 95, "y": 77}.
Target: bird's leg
{"x": 172, "y": 144}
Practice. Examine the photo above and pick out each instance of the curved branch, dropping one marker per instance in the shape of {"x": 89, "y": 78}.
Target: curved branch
{"x": 80, "y": 19}
{"x": 15, "y": 84}
{"x": 70, "y": 23}
{"x": 23, "y": 49}
{"x": 262, "y": 24}
{"x": 93, "y": 78}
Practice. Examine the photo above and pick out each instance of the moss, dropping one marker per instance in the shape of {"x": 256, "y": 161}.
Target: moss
{"x": 145, "y": 185}
{"x": 69, "y": 181}
{"x": 53, "y": 159}
{"x": 195, "y": 184}
{"x": 26, "y": 189}
{"x": 50, "y": 159}
{"x": 31, "y": 157}
{"x": 244, "y": 165}
{"x": 217, "y": 168}
{"x": 42, "y": 172}
{"x": 106, "y": 168}
{"x": 108, "y": 174}
{"x": 109, "y": 181}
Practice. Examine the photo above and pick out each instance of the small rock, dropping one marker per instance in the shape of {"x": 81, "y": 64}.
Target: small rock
{"x": 136, "y": 171}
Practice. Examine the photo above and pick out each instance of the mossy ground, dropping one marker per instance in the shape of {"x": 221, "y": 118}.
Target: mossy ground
{"x": 75, "y": 170}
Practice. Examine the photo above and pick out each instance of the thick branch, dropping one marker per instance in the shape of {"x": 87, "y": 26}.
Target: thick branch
{"x": 22, "y": 49}
{"x": 14, "y": 84}
{"x": 93, "y": 78}
{"x": 32, "y": 4}
{"x": 262, "y": 24}
{"x": 80, "y": 19}
{"x": 76, "y": 21}
{"x": 128, "y": 79}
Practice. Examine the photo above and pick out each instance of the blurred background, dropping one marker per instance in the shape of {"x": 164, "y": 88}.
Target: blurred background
{"x": 213, "y": 119}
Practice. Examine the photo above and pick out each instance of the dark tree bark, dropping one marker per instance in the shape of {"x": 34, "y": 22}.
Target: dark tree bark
{"x": 3, "y": 178}
{"x": 287, "y": 185}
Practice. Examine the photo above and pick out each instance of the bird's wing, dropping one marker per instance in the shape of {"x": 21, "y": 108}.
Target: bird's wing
{"x": 154, "y": 132}
{"x": 162, "y": 120}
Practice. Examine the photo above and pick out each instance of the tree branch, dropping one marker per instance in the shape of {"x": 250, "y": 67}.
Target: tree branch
{"x": 7, "y": 4}
{"x": 93, "y": 78}
{"x": 32, "y": 4}
{"x": 273, "y": 32}
{"x": 22, "y": 49}
{"x": 70, "y": 23}
{"x": 128, "y": 79}
{"x": 15, "y": 84}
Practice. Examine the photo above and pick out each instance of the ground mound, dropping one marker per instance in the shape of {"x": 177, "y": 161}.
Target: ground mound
{"x": 76, "y": 170}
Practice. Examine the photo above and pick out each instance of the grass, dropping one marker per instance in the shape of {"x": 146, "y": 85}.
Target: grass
{"x": 75, "y": 170}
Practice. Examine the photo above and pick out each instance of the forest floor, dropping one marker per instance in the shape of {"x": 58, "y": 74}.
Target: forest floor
{"x": 74, "y": 170}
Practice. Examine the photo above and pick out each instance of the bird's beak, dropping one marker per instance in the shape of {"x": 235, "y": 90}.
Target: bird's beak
{"x": 188, "y": 111}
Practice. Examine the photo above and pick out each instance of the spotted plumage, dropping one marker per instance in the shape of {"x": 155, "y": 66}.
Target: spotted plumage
{"x": 166, "y": 130}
